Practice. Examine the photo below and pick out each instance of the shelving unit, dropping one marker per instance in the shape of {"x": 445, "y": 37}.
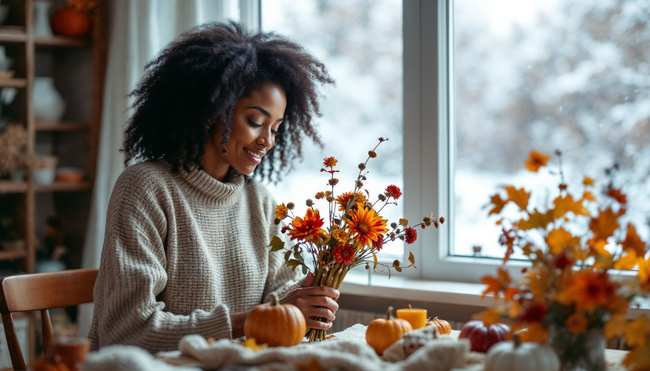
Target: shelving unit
{"x": 54, "y": 54}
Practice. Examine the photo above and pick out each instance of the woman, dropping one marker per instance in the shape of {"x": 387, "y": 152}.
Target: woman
{"x": 186, "y": 247}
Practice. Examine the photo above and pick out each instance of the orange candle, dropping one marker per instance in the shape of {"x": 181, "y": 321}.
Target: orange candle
{"x": 416, "y": 317}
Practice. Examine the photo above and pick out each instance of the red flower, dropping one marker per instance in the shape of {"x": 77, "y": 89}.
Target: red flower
{"x": 344, "y": 254}
{"x": 411, "y": 235}
{"x": 394, "y": 191}
{"x": 379, "y": 244}
{"x": 330, "y": 162}
{"x": 534, "y": 313}
{"x": 562, "y": 261}
{"x": 285, "y": 229}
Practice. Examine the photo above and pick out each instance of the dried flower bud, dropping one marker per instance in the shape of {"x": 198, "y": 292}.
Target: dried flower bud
{"x": 277, "y": 221}
{"x": 337, "y": 221}
{"x": 398, "y": 231}
{"x": 563, "y": 187}
{"x": 426, "y": 219}
{"x": 359, "y": 184}
{"x": 309, "y": 202}
{"x": 333, "y": 181}
{"x": 372, "y": 154}
{"x": 320, "y": 195}
{"x": 291, "y": 205}
{"x": 363, "y": 177}
{"x": 393, "y": 225}
{"x": 401, "y": 237}
{"x": 392, "y": 236}
{"x": 557, "y": 152}
{"x": 396, "y": 263}
{"x": 367, "y": 266}
{"x": 381, "y": 197}
{"x": 362, "y": 166}
{"x": 381, "y": 139}
{"x": 330, "y": 199}
{"x": 442, "y": 220}
{"x": 436, "y": 224}
{"x": 423, "y": 226}
{"x": 427, "y": 223}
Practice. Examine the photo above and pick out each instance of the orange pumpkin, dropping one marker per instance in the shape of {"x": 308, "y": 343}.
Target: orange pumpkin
{"x": 444, "y": 328}
{"x": 71, "y": 22}
{"x": 382, "y": 333}
{"x": 275, "y": 324}
{"x": 43, "y": 364}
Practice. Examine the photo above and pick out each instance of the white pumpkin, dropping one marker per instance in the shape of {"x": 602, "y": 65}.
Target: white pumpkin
{"x": 513, "y": 356}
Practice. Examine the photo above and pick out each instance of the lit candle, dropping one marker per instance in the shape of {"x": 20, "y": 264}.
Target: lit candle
{"x": 416, "y": 317}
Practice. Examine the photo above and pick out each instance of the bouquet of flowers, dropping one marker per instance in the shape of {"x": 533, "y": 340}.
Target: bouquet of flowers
{"x": 354, "y": 234}
{"x": 568, "y": 294}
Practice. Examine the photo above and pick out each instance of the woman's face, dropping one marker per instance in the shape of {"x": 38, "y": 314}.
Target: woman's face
{"x": 255, "y": 121}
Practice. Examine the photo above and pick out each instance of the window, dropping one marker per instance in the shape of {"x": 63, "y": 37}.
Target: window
{"x": 360, "y": 43}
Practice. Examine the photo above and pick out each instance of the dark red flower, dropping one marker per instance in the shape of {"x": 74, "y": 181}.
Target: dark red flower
{"x": 411, "y": 235}
{"x": 344, "y": 254}
{"x": 534, "y": 313}
{"x": 394, "y": 191}
{"x": 562, "y": 261}
{"x": 285, "y": 229}
{"x": 379, "y": 244}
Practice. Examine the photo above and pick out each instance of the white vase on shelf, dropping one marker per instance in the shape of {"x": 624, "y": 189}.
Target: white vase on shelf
{"x": 42, "y": 26}
{"x": 48, "y": 103}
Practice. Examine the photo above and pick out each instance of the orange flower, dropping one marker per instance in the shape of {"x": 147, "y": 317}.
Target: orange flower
{"x": 536, "y": 160}
{"x": 340, "y": 235}
{"x": 367, "y": 225}
{"x": 347, "y": 196}
{"x": 344, "y": 254}
{"x": 281, "y": 211}
{"x": 309, "y": 228}
{"x": 330, "y": 162}
{"x": 588, "y": 290}
{"x": 576, "y": 323}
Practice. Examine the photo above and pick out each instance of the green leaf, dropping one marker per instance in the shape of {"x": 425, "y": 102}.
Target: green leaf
{"x": 403, "y": 222}
{"x": 276, "y": 244}
{"x": 298, "y": 257}
{"x": 293, "y": 263}
{"x": 287, "y": 256}
{"x": 304, "y": 269}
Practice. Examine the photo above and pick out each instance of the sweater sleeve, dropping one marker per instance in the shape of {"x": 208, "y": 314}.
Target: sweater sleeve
{"x": 281, "y": 279}
{"x": 133, "y": 275}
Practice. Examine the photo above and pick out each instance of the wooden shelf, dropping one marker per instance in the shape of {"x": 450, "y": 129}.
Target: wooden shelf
{"x": 61, "y": 41}
{"x": 13, "y": 83}
{"x": 7, "y": 186}
{"x": 10, "y": 37}
{"x": 62, "y": 126}
{"x": 10, "y": 255}
{"x": 63, "y": 187}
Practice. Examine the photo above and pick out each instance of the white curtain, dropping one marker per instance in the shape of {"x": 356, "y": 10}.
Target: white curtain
{"x": 137, "y": 31}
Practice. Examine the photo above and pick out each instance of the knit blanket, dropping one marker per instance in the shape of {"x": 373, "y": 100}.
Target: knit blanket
{"x": 346, "y": 350}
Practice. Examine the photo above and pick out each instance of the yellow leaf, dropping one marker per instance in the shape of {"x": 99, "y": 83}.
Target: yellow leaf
{"x": 588, "y": 196}
{"x": 599, "y": 247}
{"x": 588, "y": 181}
{"x": 535, "y": 220}
{"x": 498, "y": 204}
{"x": 638, "y": 359}
{"x": 518, "y": 196}
{"x": 565, "y": 204}
{"x": 604, "y": 224}
{"x": 615, "y": 327}
{"x": 637, "y": 331}
{"x": 632, "y": 241}
{"x": 403, "y": 222}
{"x": 515, "y": 309}
{"x": 374, "y": 257}
{"x": 534, "y": 332}
{"x": 626, "y": 262}
{"x": 559, "y": 239}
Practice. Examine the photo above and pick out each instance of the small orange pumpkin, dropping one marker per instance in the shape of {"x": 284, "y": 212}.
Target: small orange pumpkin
{"x": 444, "y": 328}
{"x": 275, "y": 324}
{"x": 71, "y": 22}
{"x": 382, "y": 333}
{"x": 45, "y": 364}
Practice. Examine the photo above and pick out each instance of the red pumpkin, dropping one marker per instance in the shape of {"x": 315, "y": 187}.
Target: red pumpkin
{"x": 70, "y": 22}
{"x": 483, "y": 337}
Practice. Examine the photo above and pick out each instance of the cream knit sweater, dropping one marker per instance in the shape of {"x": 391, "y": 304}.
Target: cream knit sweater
{"x": 181, "y": 251}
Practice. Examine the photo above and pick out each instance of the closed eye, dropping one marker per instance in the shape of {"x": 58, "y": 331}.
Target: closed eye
{"x": 253, "y": 124}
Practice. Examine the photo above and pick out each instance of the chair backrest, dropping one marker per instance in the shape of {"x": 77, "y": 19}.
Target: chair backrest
{"x": 41, "y": 291}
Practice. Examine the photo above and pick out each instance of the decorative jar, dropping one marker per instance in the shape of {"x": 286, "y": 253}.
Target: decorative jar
{"x": 42, "y": 26}
{"x": 48, "y": 102}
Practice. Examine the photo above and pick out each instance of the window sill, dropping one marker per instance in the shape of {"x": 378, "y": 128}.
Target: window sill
{"x": 429, "y": 292}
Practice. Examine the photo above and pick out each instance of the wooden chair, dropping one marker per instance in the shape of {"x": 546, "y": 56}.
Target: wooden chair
{"x": 41, "y": 291}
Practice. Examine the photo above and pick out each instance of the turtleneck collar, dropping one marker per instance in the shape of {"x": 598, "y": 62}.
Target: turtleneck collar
{"x": 209, "y": 190}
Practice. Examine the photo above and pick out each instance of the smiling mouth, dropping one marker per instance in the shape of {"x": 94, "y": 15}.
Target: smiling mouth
{"x": 257, "y": 155}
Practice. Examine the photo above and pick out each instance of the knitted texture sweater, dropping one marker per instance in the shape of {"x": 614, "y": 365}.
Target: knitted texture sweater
{"x": 181, "y": 251}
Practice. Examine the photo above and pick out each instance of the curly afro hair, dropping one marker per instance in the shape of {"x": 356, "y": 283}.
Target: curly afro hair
{"x": 191, "y": 88}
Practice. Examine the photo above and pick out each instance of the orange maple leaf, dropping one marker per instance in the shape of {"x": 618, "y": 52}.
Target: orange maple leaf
{"x": 617, "y": 195}
{"x": 565, "y": 204}
{"x": 493, "y": 286}
{"x": 559, "y": 239}
{"x": 637, "y": 331}
{"x": 518, "y": 196}
{"x": 536, "y": 160}
{"x": 510, "y": 293}
{"x": 633, "y": 241}
{"x": 535, "y": 220}
{"x": 604, "y": 224}
{"x": 586, "y": 195}
{"x": 588, "y": 181}
{"x": 498, "y": 204}
{"x": 627, "y": 261}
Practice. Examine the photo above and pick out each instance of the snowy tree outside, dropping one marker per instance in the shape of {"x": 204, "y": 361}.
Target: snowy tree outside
{"x": 569, "y": 75}
{"x": 360, "y": 42}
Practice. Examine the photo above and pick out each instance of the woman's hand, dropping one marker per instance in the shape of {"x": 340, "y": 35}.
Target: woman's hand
{"x": 314, "y": 301}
